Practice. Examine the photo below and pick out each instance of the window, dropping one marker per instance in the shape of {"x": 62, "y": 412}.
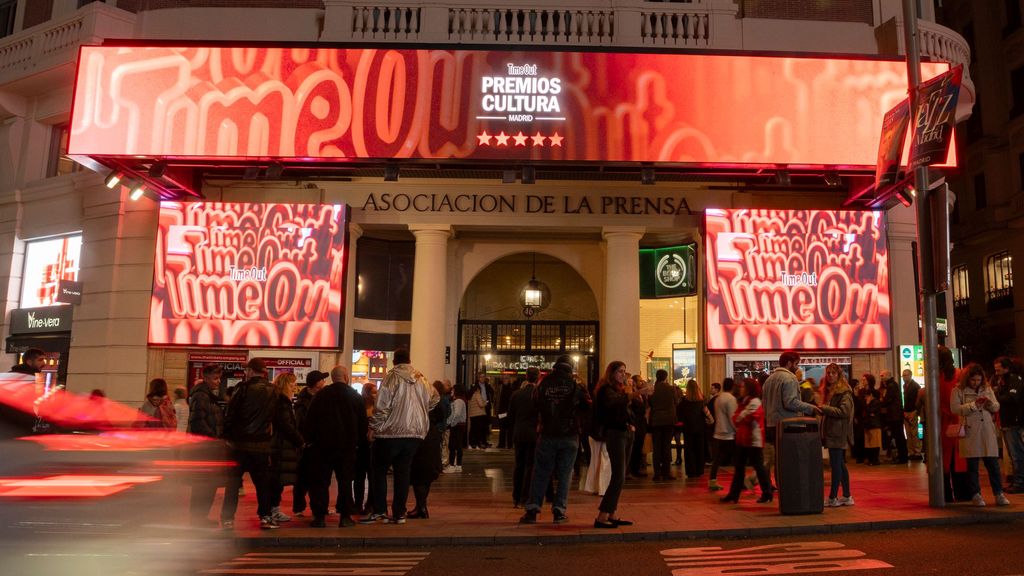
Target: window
{"x": 980, "y": 192}
{"x": 59, "y": 163}
{"x": 8, "y": 8}
{"x": 1012, "y": 16}
{"x": 999, "y": 280}
{"x": 1017, "y": 86}
{"x": 961, "y": 289}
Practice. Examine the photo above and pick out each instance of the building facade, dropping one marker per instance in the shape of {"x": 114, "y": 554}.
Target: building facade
{"x": 448, "y": 282}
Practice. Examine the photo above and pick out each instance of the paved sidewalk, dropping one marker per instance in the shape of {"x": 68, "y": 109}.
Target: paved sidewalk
{"x": 475, "y": 507}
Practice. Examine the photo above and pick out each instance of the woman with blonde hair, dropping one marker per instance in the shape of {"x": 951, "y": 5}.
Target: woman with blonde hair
{"x": 976, "y": 404}
{"x": 837, "y": 432}
{"x": 284, "y": 444}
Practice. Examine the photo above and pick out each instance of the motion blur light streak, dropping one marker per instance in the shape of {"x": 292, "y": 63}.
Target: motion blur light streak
{"x": 121, "y": 441}
{"x": 70, "y": 486}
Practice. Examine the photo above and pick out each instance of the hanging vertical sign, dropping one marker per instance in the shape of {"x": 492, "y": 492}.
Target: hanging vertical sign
{"x": 890, "y": 145}
{"x": 668, "y": 272}
{"x": 936, "y": 115}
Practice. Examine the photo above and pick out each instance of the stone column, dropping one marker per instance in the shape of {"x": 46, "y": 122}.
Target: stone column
{"x": 620, "y": 321}
{"x": 355, "y": 231}
{"x": 429, "y": 298}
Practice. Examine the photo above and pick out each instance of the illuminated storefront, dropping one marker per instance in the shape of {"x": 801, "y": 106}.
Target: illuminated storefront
{"x": 729, "y": 254}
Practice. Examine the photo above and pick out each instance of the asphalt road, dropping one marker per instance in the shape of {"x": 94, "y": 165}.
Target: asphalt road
{"x": 990, "y": 550}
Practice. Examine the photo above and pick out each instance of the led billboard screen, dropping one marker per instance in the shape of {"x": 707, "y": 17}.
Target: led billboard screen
{"x": 237, "y": 274}
{"x": 797, "y": 279}
{"x": 328, "y": 104}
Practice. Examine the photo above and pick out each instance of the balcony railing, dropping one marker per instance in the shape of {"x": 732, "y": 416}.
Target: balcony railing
{"x": 53, "y": 43}
{"x": 532, "y": 25}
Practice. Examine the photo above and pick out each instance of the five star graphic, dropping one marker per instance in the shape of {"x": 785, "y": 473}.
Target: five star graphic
{"x": 519, "y": 139}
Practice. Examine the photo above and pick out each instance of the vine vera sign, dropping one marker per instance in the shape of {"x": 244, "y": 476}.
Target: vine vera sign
{"x": 42, "y": 319}
{"x": 797, "y": 279}
{"x": 311, "y": 104}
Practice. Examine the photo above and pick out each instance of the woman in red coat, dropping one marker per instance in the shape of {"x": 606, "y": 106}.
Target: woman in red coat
{"x": 952, "y": 461}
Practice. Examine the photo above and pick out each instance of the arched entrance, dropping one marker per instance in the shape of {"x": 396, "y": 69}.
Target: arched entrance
{"x": 496, "y": 337}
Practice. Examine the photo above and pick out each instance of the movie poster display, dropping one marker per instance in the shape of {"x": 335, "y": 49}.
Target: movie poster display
{"x": 797, "y": 279}
{"x": 253, "y": 275}
{"x": 684, "y": 365}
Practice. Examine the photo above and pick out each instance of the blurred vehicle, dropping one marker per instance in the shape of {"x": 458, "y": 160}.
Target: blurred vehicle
{"x": 86, "y": 488}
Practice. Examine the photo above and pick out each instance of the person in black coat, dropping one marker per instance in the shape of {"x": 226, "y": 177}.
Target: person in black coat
{"x": 331, "y": 433}
{"x": 892, "y": 416}
{"x": 345, "y": 504}
{"x": 315, "y": 380}
{"x": 426, "y": 464}
{"x": 285, "y": 444}
{"x": 523, "y": 415}
{"x": 691, "y": 412}
{"x": 32, "y": 361}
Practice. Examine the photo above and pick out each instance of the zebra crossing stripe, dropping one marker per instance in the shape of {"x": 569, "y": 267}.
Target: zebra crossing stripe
{"x": 770, "y": 559}
{"x": 321, "y": 564}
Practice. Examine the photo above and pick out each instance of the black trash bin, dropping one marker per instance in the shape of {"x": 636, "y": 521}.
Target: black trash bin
{"x": 799, "y": 466}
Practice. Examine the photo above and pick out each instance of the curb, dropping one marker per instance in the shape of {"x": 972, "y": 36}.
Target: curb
{"x": 592, "y": 537}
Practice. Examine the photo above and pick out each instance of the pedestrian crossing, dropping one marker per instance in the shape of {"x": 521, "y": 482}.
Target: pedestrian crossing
{"x": 787, "y": 558}
{"x": 321, "y": 564}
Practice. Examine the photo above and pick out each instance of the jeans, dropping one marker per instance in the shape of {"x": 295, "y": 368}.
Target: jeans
{"x": 910, "y": 420}
{"x": 257, "y": 464}
{"x": 479, "y": 430}
{"x": 1015, "y": 446}
{"x": 522, "y": 475}
{"x": 362, "y": 473}
{"x": 896, "y": 432}
{"x": 396, "y": 453}
{"x": 555, "y": 455}
{"x": 661, "y": 441}
{"x": 723, "y": 454}
{"x": 300, "y": 490}
{"x": 840, "y": 474}
{"x": 753, "y": 455}
{"x": 618, "y": 444}
{"x": 994, "y": 475}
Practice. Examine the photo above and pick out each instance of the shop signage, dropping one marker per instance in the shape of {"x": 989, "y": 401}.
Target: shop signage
{"x": 42, "y": 319}
{"x": 254, "y": 275}
{"x": 936, "y": 116}
{"x": 307, "y": 104}
{"x": 527, "y": 204}
{"x": 797, "y": 279}
{"x": 668, "y": 272}
{"x": 47, "y": 263}
{"x": 912, "y": 358}
{"x": 69, "y": 292}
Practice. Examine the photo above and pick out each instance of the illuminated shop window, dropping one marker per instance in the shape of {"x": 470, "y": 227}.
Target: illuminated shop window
{"x": 999, "y": 280}
{"x": 47, "y": 262}
{"x": 961, "y": 289}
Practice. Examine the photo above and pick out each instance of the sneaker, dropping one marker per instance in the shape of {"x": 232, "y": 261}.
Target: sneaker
{"x": 529, "y": 518}
{"x": 395, "y": 520}
{"x": 559, "y": 518}
{"x": 279, "y": 516}
{"x": 448, "y": 469}
{"x": 372, "y": 518}
{"x": 1002, "y": 500}
{"x": 714, "y": 486}
{"x": 227, "y": 524}
{"x": 458, "y": 468}
{"x": 978, "y": 500}
{"x": 832, "y": 503}
{"x": 268, "y": 523}
{"x": 846, "y": 501}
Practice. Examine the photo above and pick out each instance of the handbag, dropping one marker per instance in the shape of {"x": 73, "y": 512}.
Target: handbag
{"x": 956, "y": 431}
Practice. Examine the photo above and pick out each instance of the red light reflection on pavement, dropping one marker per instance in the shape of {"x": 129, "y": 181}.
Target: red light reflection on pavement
{"x": 70, "y": 486}
{"x": 121, "y": 441}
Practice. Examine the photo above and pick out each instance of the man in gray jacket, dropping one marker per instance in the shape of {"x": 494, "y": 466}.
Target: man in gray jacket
{"x": 398, "y": 425}
{"x": 781, "y": 399}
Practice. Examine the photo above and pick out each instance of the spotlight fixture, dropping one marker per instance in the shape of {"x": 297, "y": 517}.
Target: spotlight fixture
{"x": 157, "y": 169}
{"x": 391, "y": 173}
{"x": 508, "y": 176}
{"x": 274, "y": 171}
{"x": 251, "y": 172}
{"x": 647, "y": 176}
{"x": 138, "y": 190}
{"x": 833, "y": 179}
{"x": 782, "y": 178}
{"x": 113, "y": 179}
{"x": 529, "y": 175}
{"x": 906, "y": 195}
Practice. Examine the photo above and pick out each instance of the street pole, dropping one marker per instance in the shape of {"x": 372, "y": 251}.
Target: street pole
{"x": 929, "y": 330}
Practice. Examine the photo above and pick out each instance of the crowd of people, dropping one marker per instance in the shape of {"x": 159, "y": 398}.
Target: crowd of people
{"x": 415, "y": 431}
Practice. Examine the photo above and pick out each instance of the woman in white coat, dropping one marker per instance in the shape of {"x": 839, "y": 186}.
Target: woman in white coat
{"x": 976, "y": 404}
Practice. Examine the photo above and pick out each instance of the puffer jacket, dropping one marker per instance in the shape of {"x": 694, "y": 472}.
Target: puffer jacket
{"x": 837, "y": 421}
{"x": 249, "y": 420}
{"x": 204, "y": 415}
{"x": 403, "y": 404}
{"x": 284, "y": 456}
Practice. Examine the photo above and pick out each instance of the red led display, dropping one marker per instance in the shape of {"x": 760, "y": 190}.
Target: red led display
{"x": 797, "y": 279}
{"x": 255, "y": 275}
{"x": 307, "y": 104}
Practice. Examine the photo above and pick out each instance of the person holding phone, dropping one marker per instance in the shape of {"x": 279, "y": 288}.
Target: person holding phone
{"x": 976, "y": 404}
